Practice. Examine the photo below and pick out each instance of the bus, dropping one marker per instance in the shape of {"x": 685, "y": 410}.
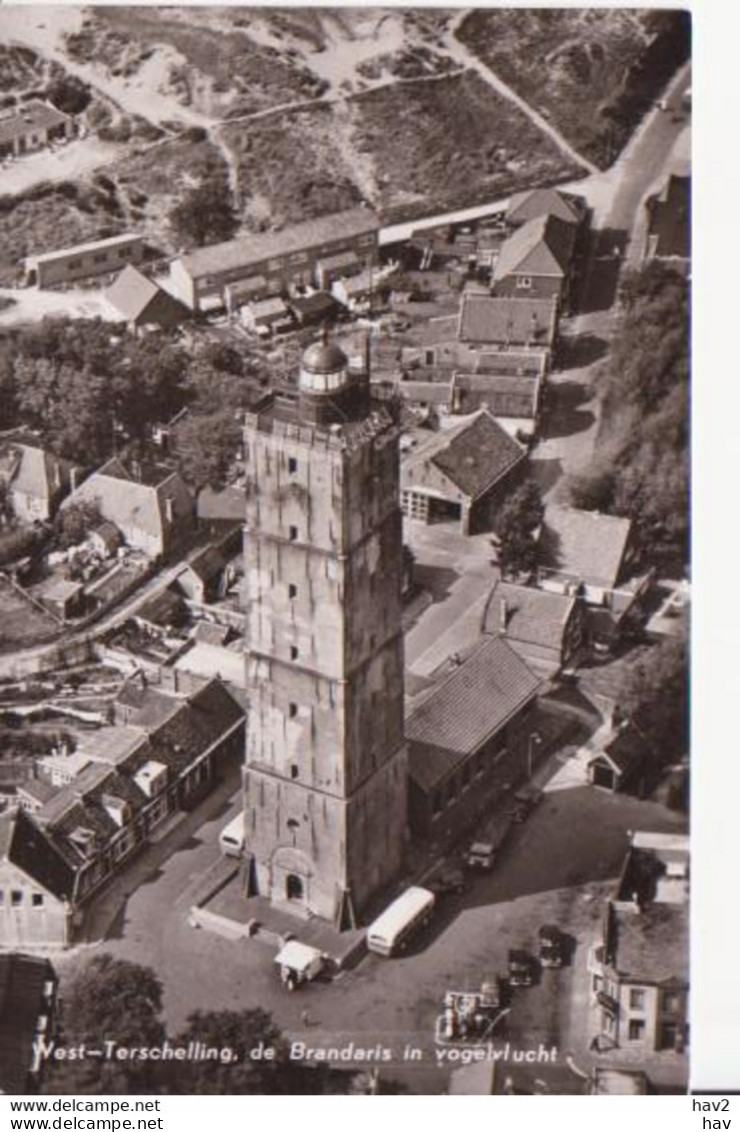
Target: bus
{"x": 408, "y": 912}
{"x": 231, "y": 837}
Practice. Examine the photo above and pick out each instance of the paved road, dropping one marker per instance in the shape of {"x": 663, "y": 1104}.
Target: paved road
{"x": 552, "y": 869}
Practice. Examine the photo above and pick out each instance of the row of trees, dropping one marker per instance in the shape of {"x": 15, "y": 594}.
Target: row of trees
{"x": 641, "y": 467}
{"x": 112, "y": 1000}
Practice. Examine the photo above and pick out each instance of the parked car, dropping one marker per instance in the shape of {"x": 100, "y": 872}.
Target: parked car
{"x": 481, "y": 855}
{"x": 521, "y": 969}
{"x": 525, "y": 801}
{"x": 449, "y": 880}
{"x": 552, "y": 946}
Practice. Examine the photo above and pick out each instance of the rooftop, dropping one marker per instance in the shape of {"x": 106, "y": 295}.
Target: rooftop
{"x": 30, "y": 469}
{"x": 492, "y": 319}
{"x": 669, "y": 222}
{"x": 506, "y": 395}
{"x": 124, "y": 240}
{"x": 540, "y": 202}
{"x": 132, "y": 294}
{"x": 585, "y": 545}
{"x": 543, "y": 246}
{"x": 250, "y": 250}
{"x": 279, "y": 412}
{"x": 33, "y": 115}
{"x": 527, "y": 614}
{"x": 650, "y": 946}
{"x": 474, "y": 454}
{"x": 469, "y": 706}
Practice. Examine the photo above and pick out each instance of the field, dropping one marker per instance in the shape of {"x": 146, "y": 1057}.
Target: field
{"x": 592, "y": 72}
{"x": 451, "y": 141}
{"x": 215, "y": 69}
{"x": 22, "y": 623}
{"x": 49, "y": 217}
{"x": 292, "y": 166}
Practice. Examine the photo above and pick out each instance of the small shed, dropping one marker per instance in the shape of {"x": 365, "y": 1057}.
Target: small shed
{"x": 62, "y": 598}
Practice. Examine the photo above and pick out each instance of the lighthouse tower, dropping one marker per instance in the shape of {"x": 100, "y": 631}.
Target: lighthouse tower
{"x": 325, "y": 778}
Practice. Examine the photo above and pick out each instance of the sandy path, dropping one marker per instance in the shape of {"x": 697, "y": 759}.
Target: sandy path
{"x": 460, "y": 53}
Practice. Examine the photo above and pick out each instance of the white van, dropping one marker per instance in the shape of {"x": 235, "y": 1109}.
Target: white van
{"x": 231, "y": 837}
{"x": 408, "y": 912}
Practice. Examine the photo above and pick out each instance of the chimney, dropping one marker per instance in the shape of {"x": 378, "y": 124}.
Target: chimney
{"x": 74, "y": 478}
{"x": 169, "y": 510}
{"x": 504, "y": 614}
{"x": 57, "y": 475}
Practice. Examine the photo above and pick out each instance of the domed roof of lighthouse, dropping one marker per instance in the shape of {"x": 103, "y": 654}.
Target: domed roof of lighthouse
{"x": 324, "y": 357}
{"x": 323, "y": 367}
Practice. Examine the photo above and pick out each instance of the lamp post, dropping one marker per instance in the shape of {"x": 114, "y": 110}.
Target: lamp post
{"x": 535, "y": 739}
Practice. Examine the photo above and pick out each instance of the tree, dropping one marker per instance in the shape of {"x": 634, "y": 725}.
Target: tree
{"x": 238, "y": 1034}
{"x": 205, "y": 214}
{"x": 74, "y": 523}
{"x": 206, "y": 447}
{"x": 69, "y": 94}
{"x": 641, "y": 464}
{"x": 654, "y": 695}
{"x": 516, "y": 527}
{"x": 108, "y": 1000}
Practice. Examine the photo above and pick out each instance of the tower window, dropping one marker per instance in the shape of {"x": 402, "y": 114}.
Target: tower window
{"x": 293, "y": 770}
{"x": 292, "y": 590}
{"x": 294, "y": 652}
{"x": 293, "y": 533}
{"x": 292, "y": 465}
{"x": 292, "y": 710}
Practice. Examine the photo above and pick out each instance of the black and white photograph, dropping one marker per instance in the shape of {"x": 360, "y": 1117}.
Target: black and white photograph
{"x": 345, "y": 557}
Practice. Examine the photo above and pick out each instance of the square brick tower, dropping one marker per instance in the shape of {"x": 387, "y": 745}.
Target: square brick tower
{"x": 325, "y": 779}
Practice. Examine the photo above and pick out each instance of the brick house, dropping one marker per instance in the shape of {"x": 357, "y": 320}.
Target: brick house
{"x": 535, "y": 261}
{"x": 36, "y": 481}
{"x": 545, "y": 629}
{"x": 468, "y": 738}
{"x": 151, "y": 506}
{"x": 462, "y": 472}
{"x": 638, "y": 969}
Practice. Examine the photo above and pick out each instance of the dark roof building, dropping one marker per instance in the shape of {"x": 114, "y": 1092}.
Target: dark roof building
{"x": 544, "y": 628}
{"x": 511, "y": 399}
{"x": 488, "y": 320}
{"x": 461, "y": 471}
{"x": 536, "y": 260}
{"x": 468, "y": 729}
{"x": 140, "y": 302}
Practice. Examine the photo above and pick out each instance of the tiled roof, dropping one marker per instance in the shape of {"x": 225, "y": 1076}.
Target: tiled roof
{"x": 474, "y": 455}
{"x": 652, "y": 945}
{"x": 249, "y": 250}
{"x": 584, "y": 545}
{"x": 503, "y": 320}
{"x": 467, "y": 708}
{"x": 30, "y": 849}
{"x": 128, "y": 503}
{"x": 138, "y": 299}
{"x": 427, "y": 392}
{"x": 506, "y": 395}
{"x": 28, "y": 468}
{"x": 527, "y": 614}
{"x": 532, "y": 203}
{"x": 207, "y": 563}
{"x": 540, "y": 247}
{"x": 23, "y": 980}
{"x": 31, "y": 116}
